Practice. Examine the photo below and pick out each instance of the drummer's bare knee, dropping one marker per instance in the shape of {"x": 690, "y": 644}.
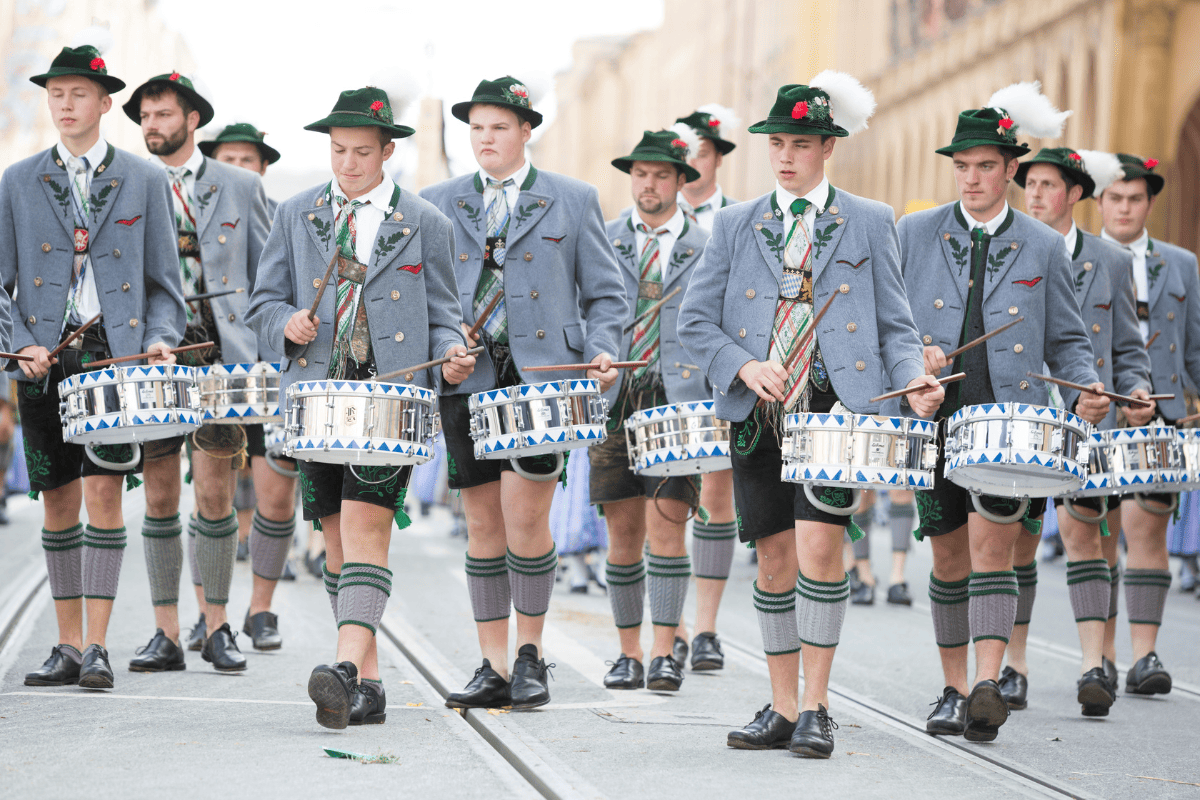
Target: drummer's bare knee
{"x": 275, "y": 494}
{"x": 62, "y": 505}
{"x": 820, "y": 542}
{"x": 716, "y": 494}
{"x": 777, "y": 564}
{"x": 526, "y": 504}
{"x": 485, "y": 520}
{"x": 102, "y": 494}
{"x": 626, "y": 523}
{"x": 951, "y": 555}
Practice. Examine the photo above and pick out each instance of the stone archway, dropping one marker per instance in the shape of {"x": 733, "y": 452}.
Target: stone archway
{"x": 1183, "y": 213}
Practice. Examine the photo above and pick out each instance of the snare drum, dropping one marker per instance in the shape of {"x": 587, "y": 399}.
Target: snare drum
{"x": 1189, "y": 459}
{"x": 1125, "y": 460}
{"x": 360, "y": 422}
{"x": 1016, "y": 450}
{"x": 237, "y": 394}
{"x": 537, "y": 419}
{"x": 859, "y": 451}
{"x": 677, "y": 439}
{"x": 126, "y": 405}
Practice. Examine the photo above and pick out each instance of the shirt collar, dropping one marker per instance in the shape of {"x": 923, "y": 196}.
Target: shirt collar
{"x": 194, "y": 162}
{"x": 816, "y": 197}
{"x": 674, "y": 225}
{"x": 518, "y": 177}
{"x": 713, "y": 201}
{"x": 1138, "y": 246}
{"x": 95, "y": 156}
{"x": 991, "y": 225}
{"x": 1072, "y": 239}
{"x": 380, "y": 196}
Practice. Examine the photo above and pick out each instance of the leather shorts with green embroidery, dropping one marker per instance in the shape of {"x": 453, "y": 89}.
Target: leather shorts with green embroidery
{"x": 323, "y": 487}
{"x": 945, "y": 507}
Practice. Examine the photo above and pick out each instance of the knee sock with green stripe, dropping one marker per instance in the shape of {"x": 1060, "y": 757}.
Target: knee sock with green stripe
{"x": 331, "y": 588}
{"x": 363, "y": 591}
{"x": 820, "y": 610}
{"x": 216, "y": 548}
{"x": 862, "y": 546}
{"x": 1089, "y": 584}
{"x": 667, "y": 585}
{"x": 713, "y": 544}
{"x": 777, "y": 620}
{"x": 270, "y": 542}
{"x": 993, "y": 604}
{"x": 900, "y": 518}
{"x": 103, "y": 552}
{"x": 532, "y": 581}
{"x": 487, "y": 583}
{"x": 193, "y": 564}
{"x": 949, "y": 603}
{"x": 164, "y": 558}
{"x": 64, "y": 561}
{"x": 626, "y": 592}
{"x": 1146, "y": 594}
{"x": 1026, "y": 591}
{"x": 1115, "y": 590}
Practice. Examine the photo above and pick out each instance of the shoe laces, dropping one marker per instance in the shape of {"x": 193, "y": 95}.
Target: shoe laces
{"x": 759, "y": 714}
{"x": 937, "y": 704}
{"x": 828, "y": 726}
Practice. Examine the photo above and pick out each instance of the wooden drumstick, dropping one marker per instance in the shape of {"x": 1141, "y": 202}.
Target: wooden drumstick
{"x": 958, "y": 376}
{"x": 953, "y": 353}
{"x": 437, "y": 362}
{"x": 1150, "y": 341}
{"x": 473, "y": 331}
{"x": 18, "y": 357}
{"x": 1081, "y": 388}
{"x": 652, "y": 309}
{"x": 312, "y": 312}
{"x": 565, "y": 367}
{"x": 122, "y": 359}
{"x": 812, "y": 329}
{"x": 1191, "y": 418}
{"x": 74, "y": 335}
{"x": 192, "y": 298}
{"x": 1161, "y": 397}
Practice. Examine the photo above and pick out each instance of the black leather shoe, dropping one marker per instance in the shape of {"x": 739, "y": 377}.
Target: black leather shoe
{"x": 486, "y": 690}
{"x": 949, "y": 717}
{"x": 898, "y": 595}
{"x": 679, "y": 651}
{"x": 852, "y": 576}
{"x": 813, "y": 737}
{"x": 195, "y": 639}
{"x": 666, "y": 674}
{"x": 332, "y": 687}
{"x": 1014, "y": 686}
{"x": 1095, "y": 693}
{"x": 58, "y": 670}
{"x": 95, "y": 672}
{"x": 314, "y": 565}
{"x": 243, "y": 551}
{"x": 369, "y": 705}
{"x": 707, "y": 653}
{"x": 864, "y": 595}
{"x": 160, "y": 655}
{"x": 263, "y": 630}
{"x": 1110, "y": 672}
{"x": 529, "y": 686}
{"x": 1148, "y": 676}
{"x": 289, "y": 572}
{"x": 221, "y": 650}
{"x": 768, "y": 731}
{"x": 626, "y": 673}
{"x": 986, "y": 712}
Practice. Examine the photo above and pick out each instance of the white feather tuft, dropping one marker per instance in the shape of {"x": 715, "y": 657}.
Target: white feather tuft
{"x": 850, "y": 103}
{"x": 727, "y": 117}
{"x": 688, "y": 134}
{"x": 538, "y": 87}
{"x": 1033, "y": 112}
{"x": 98, "y": 36}
{"x": 401, "y": 86}
{"x": 1104, "y": 168}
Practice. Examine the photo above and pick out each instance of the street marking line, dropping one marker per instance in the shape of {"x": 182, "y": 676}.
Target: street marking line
{"x": 76, "y": 694}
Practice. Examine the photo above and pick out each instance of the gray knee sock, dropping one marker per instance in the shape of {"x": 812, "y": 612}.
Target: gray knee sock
{"x": 1026, "y": 591}
{"x": 64, "y": 562}
{"x": 331, "y": 588}
{"x": 901, "y": 519}
{"x": 862, "y": 548}
{"x": 164, "y": 558}
{"x": 363, "y": 591}
{"x": 712, "y": 548}
{"x": 6, "y": 458}
{"x": 820, "y": 610}
{"x": 950, "y": 607}
{"x": 487, "y": 583}
{"x": 1115, "y": 594}
{"x": 216, "y": 548}
{"x": 993, "y": 604}
{"x": 626, "y": 592}
{"x": 193, "y": 564}
{"x": 1089, "y": 583}
{"x": 777, "y": 620}
{"x": 1146, "y": 594}
{"x": 667, "y": 586}
{"x": 103, "y": 552}
{"x": 531, "y": 581}
{"x": 270, "y": 542}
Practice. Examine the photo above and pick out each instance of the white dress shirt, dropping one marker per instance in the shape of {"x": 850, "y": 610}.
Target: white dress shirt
{"x": 991, "y": 226}
{"x": 704, "y": 218}
{"x": 369, "y": 216}
{"x": 816, "y": 199}
{"x": 672, "y": 230}
{"x": 1072, "y": 240}
{"x": 88, "y": 301}
{"x": 194, "y": 162}
{"x": 1138, "y": 247}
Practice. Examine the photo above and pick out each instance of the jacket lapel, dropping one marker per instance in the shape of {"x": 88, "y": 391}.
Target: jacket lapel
{"x": 318, "y": 221}
{"x": 769, "y": 234}
{"x": 956, "y": 248}
{"x": 625, "y": 246}
{"x": 1156, "y": 279}
{"x": 1003, "y": 252}
{"x": 685, "y": 253}
{"x": 531, "y": 207}
{"x": 827, "y": 232}
{"x": 395, "y": 232}
{"x": 1082, "y": 277}
{"x": 56, "y": 183}
{"x": 206, "y": 193}
{"x": 472, "y": 215}
{"x": 105, "y": 187}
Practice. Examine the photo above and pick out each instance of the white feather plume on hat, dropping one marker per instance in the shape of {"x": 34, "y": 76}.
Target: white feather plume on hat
{"x": 1031, "y": 110}
{"x": 98, "y": 36}
{"x": 688, "y": 134}
{"x": 850, "y": 103}
{"x": 727, "y": 119}
{"x": 1104, "y": 168}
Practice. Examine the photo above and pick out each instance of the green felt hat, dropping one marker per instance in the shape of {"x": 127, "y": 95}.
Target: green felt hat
{"x": 178, "y": 82}
{"x": 1138, "y": 167}
{"x": 506, "y": 92}
{"x": 362, "y": 108}
{"x": 84, "y": 60}
{"x": 802, "y": 110}
{"x": 241, "y": 132}
{"x": 665, "y": 146}
{"x": 980, "y": 126}
{"x": 1067, "y": 160}
{"x": 710, "y": 122}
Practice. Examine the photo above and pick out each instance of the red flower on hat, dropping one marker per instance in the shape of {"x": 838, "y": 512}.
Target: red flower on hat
{"x": 800, "y": 110}
{"x": 1150, "y": 163}
{"x": 1006, "y": 123}
{"x": 377, "y": 105}
{"x": 174, "y": 76}
{"x": 97, "y": 63}
{"x": 714, "y": 122}
{"x": 519, "y": 90}
{"x": 1075, "y": 157}
{"x": 680, "y": 143}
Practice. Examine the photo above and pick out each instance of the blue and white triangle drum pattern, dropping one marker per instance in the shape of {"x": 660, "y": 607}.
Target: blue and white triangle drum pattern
{"x": 1189, "y": 459}
{"x": 858, "y": 451}
{"x": 1126, "y": 460}
{"x": 677, "y": 439}
{"x": 533, "y": 419}
{"x": 125, "y": 405}
{"x": 239, "y": 394}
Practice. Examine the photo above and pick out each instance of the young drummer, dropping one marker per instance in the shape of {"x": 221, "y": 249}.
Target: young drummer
{"x": 1054, "y": 181}
{"x": 85, "y": 228}
{"x": 770, "y": 264}
{"x": 1168, "y": 300}
{"x": 658, "y": 246}
{"x": 969, "y": 266}
{"x": 537, "y": 239}
{"x": 394, "y": 304}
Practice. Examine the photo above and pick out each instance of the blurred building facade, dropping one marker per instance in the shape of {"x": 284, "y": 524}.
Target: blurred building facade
{"x": 1127, "y": 68}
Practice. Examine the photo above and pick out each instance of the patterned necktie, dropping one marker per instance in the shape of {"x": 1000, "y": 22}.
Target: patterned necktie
{"x": 790, "y": 345}
{"x": 79, "y": 170}
{"x": 491, "y": 279}
{"x": 349, "y": 291}
{"x": 185, "y": 224}
{"x": 644, "y": 346}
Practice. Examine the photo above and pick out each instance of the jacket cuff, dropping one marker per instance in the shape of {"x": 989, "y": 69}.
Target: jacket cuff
{"x": 906, "y": 371}
{"x": 723, "y": 369}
